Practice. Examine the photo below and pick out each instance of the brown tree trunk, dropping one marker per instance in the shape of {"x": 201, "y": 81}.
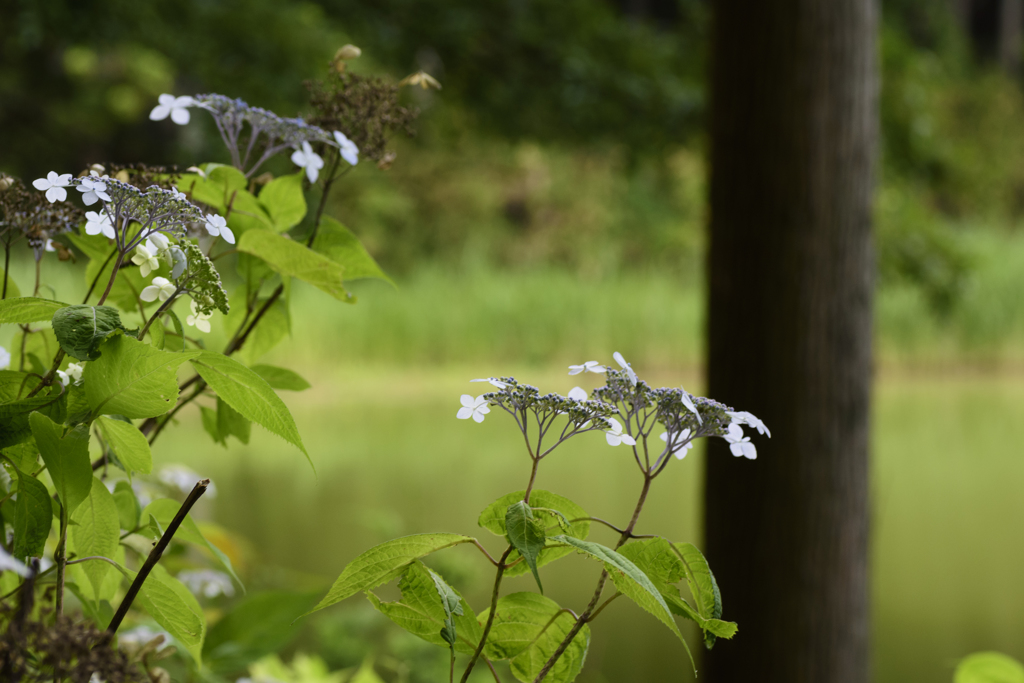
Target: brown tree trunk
{"x": 1011, "y": 24}
{"x": 793, "y": 138}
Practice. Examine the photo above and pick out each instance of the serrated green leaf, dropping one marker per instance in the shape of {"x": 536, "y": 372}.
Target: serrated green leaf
{"x": 526, "y": 535}
{"x": 67, "y": 459}
{"x": 258, "y": 625}
{"x": 989, "y": 667}
{"x": 493, "y": 519}
{"x": 33, "y": 516}
{"x": 284, "y": 201}
{"x": 14, "y": 417}
{"x": 339, "y": 244}
{"x": 451, "y": 603}
{"x": 174, "y": 343}
{"x": 128, "y": 510}
{"x": 231, "y": 422}
{"x": 527, "y": 629}
{"x": 26, "y": 310}
{"x": 704, "y": 590}
{"x": 422, "y": 613}
{"x": 281, "y": 378}
{"x": 384, "y": 562}
{"x": 128, "y": 444}
{"x": 163, "y": 511}
{"x": 96, "y": 531}
{"x": 133, "y": 379}
{"x": 25, "y": 456}
{"x": 173, "y": 607}
{"x": 293, "y": 259}
{"x": 249, "y": 394}
{"x": 81, "y": 329}
{"x": 630, "y": 581}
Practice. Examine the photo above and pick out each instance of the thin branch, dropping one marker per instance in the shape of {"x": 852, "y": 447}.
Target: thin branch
{"x": 154, "y": 555}
{"x": 490, "y": 615}
{"x": 605, "y": 604}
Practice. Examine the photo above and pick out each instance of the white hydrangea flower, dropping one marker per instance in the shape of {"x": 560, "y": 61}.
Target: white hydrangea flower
{"x": 178, "y": 194}
{"x": 98, "y": 223}
{"x": 162, "y": 289}
{"x": 688, "y": 402}
{"x": 218, "y": 225}
{"x": 175, "y": 107}
{"x": 474, "y": 408}
{"x": 145, "y": 260}
{"x": 740, "y": 445}
{"x": 308, "y": 159}
{"x": 496, "y": 383}
{"x": 744, "y": 417}
{"x": 49, "y": 245}
{"x": 200, "y": 320}
{"x": 157, "y": 242}
{"x": 5, "y": 358}
{"x": 615, "y": 435}
{"x": 349, "y": 151}
{"x": 207, "y": 583}
{"x": 73, "y": 374}
{"x": 625, "y": 366}
{"x": 577, "y": 394}
{"x": 93, "y": 190}
{"x": 53, "y": 185}
{"x": 683, "y": 441}
{"x": 589, "y": 366}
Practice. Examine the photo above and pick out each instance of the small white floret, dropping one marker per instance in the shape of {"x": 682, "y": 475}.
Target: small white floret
{"x": 589, "y": 366}
{"x": 308, "y": 159}
{"x": 625, "y": 366}
{"x": 349, "y": 151}
{"x": 615, "y": 436}
{"x": 53, "y": 185}
{"x": 475, "y": 408}
{"x": 175, "y": 107}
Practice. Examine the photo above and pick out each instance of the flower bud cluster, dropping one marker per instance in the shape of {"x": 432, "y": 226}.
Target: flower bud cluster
{"x": 521, "y": 399}
{"x": 675, "y": 415}
{"x": 203, "y": 281}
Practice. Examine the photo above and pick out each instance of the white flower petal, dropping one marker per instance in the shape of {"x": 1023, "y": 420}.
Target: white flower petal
{"x": 465, "y": 413}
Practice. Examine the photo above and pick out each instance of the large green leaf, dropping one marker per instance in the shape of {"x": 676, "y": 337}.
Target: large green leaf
{"x": 249, "y": 394}
{"x": 630, "y": 581}
{"x": 526, "y": 535}
{"x": 14, "y": 417}
{"x": 527, "y": 629}
{"x": 127, "y": 505}
{"x": 133, "y": 379}
{"x": 259, "y": 625}
{"x": 223, "y": 187}
{"x": 293, "y": 259}
{"x": 33, "y": 515}
{"x": 128, "y": 444}
{"x": 96, "y": 531}
{"x": 274, "y": 327}
{"x": 664, "y": 566}
{"x": 493, "y": 519}
{"x": 81, "y": 329}
{"x": 25, "y": 456}
{"x": 281, "y": 378}
{"x": 231, "y": 423}
{"x": 988, "y": 667}
{"x": 67, "y": 459}
{"x": 173, "y": 606}
{"x": 27, "y": 310}
{"x": 384, "y": 562}
{"x": 164, "y": 510}
{"x": 284, "y": 201}
{"x": 422, "y": 610}
{"x": 337, "y": 243}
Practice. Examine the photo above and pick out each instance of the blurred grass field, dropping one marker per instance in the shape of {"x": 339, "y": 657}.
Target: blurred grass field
{"x": 392, "y": 459}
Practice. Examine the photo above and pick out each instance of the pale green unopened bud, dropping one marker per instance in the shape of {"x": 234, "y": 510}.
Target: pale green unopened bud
{"x": 5, "y": 183}
{"x": 346, "y": 52}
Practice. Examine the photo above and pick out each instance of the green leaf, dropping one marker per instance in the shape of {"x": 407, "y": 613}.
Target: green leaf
{"x": 209, "y": 416}
{"x": 133, "y": 379}
{"x": 249, "y": 394}
{"x": 273, "y": 328}
{"x": 337, "y": 243}
{"x": 12, "y": 288}
{"x": 384, "y": 562}
{"x": 284, "y": 201}
{"x": 26, "y": 310}
{"x": 102, "y": 255}
{"x": 630, "y": 581}
{"x": 528, "y": 628}
{"x": 704, "y": 590}
{"x": 423, "y": 614}
{"x": 258, "y": 625}
{"x": 526, "y": 534}
{"x": 176, "y": 343}
{"x": 127, "y": 505}
{"x": 25, "y": 456}
{"x": 493, "y": 519}
{"x": 96, "y": 531}
{"x": 14, "y": 417}
{"x": 163, "y": 511}
{"x": 128, "y": 444}
{"x": 293, "y": 259}
{"x": 281, "y": 378}
{"x": 231, "y": 422}
{"x": 156, "y": 335}
{"x": 33, "y": 516}
{"x": 173, "y": 606}
{"x": 81, "y": 329}
{"x": 988, "y": 667}
{"x": 67, "y": 459}
{"x": 366, "y": 674}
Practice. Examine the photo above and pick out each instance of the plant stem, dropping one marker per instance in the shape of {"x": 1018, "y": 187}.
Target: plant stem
{"x": 490, "y": 616}
{"x": 533, "y": 477}
{"x": 61, "y": 559}
{"x": 154, "y": 556}
{"x": 97, "y": 278}
{"x": 160, "y": 425}
{"x": 7, "y": 266}
{"x": 47, "y": 379}
{"x": 590, "y": 611}
{"x": 163, "y": 307}
{"x": 113, "y": 276}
